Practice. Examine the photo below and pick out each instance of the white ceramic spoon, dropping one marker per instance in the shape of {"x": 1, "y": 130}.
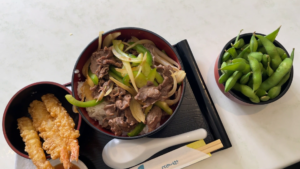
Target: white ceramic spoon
{"x": 127, "y": 153}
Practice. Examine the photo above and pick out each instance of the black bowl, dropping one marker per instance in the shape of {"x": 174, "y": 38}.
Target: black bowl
{"x": 237, "y": 96}
{"x": 18, "y": 107}
{"x": 126, "y": 33}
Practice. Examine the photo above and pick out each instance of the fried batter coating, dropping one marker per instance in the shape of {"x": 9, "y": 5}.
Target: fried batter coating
{"x": 54, "y": 144}
{"x": 33, "y": 144}
{"x": 64, "y": 123}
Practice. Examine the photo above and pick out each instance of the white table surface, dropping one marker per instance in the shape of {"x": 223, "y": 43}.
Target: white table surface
{"x": 35, "y": 45}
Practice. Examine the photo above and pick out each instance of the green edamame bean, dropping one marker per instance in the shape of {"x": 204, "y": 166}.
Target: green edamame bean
{"x": 237, "y": 42}
{"x": 284, "y": 79}
{"x": 270, "y": 36}
{"x": 264, "y": 60}
{"x": 235, "y": 66}
{"x": 274, "y": 92}
{"x": 225, "y": 76}
{"x": 271, "y": 50}
{"x": 270, "y": 71}
{"x": 247, "y": 91}
{"x": 263, "y": 71}
{"x": 280, "y": 51}
{"x": 292, "y": 54}
{"x": 256, "y": 55}
{"x": 223, "y": 65}
{"x": 262, "y": 50}
{"x": 226, "y": 56}
{"x": 236, "y": 60}
{"x": 244, "y": 52}
{"x": 246, "y": 45}
{"x": 264, "y": 98}
{"x": 261, "y": 92}
{"x": 247, "y": 69}
{"x": 232, "y": 52}
{"x": 280, "y": 72}
{"x": 256, "y": 69}
{"x": 232, "y": 80}
{"x": 240, "y": 43}
{"x": 253, "y": 43}
{"x": 244, "y": 79}
{"x": 283, "y": 56}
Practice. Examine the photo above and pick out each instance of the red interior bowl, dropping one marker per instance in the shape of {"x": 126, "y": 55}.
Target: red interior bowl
{"x": 126, "y": 34}
{"x": 237, "y": 96}
{"x": 18, "y": 107}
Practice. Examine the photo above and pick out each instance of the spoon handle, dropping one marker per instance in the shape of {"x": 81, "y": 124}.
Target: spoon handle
{"x": 181, "y": 138}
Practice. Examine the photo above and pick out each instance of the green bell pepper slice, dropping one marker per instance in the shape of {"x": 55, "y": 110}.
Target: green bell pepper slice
{"x": 141, "y": 49}
{"x": 93, "y": 77}
{"x": 136, "y": 130}
{"x": 164, "y": 106}
{"x": 113, "y": 69}
{"x": 78, "y": 103}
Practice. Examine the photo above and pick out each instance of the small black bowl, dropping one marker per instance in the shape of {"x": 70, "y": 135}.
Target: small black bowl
{"x": 237, "y": 96}
{"x": 18, "y": 105}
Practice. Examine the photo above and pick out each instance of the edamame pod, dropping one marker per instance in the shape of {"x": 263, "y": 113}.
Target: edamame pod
{"x": 237, "y": 41}
{"x": 247, "y": 69}
{"x": 247, "y": 91}
{"x": 262, "y": 50}
{"x": 270, "y": 71}
{"x": 270, "y": 36}
{"x": 235, "y": 66}
{"x": 232, "y": 52}
{"x": 232, "y": 80}
{"x": 264, "y": 60}
{"x": 271, "y": 50}
{"x": 236, "y": 60}
{"x": 274, "y": 92}
{"x": 280, "y": 72}
{"x": 261, "y": 92}
{"x": 280, "y": 51}
{"x": 263, "y": 72}
{"x": 256, "y": 69}
{"x": 244, "y": 79}
{"x": 257, "y": 55}
{"x": 284, "y": 79}
{"x": 253, "y": 43}
{"x": 225, "y": 76}
{"x": 239, "y": 44}
{"x": 283, "y": 56}
{"x": 244, "y": 52}
{"x": 226, "y": 56}
{"x": 223, "y": 65}
{"x": 264, "y": 98}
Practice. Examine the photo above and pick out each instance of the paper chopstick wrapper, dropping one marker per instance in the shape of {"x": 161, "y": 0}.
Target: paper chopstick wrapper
{"x": 178, "y": 158}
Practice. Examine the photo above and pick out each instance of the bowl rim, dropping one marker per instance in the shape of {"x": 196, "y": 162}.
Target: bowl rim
{"x": 161, "y": 126}
{"x": 278, "y": 44}
{"x": 11, "y": 100}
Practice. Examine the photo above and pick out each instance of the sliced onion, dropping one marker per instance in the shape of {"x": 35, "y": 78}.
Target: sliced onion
{"x": 148, "y": 109}
{"x": 144, "y": 41}
{"x": 130, "y": 74}
{"x": 115, "y": 35}
{"x": 127, "y": 44}
{"x": 122, "y": 71}
{"x": 123, "y": 56}
{"x": 86, "y": 92}
{"x": 134, "y": 39}
{"x": 100, "y": 39}
{"x": 109, "y": 90}
{"x": 74, "y": 108}
{"x": 162, "y": 61}
{"x": 172, "y": 102}
{"x": 90, "y": 82}
{"x": 85, "y": 67}
{"x": 136, "y": 110}
{"x": 174, "y": 87}
{"x": 167, "y": 58}
{"x": 101, "y": 95}
{"x": 130, "y": 90}
{"x": 109, "y": 38}
{"x": 180, "y": 75}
